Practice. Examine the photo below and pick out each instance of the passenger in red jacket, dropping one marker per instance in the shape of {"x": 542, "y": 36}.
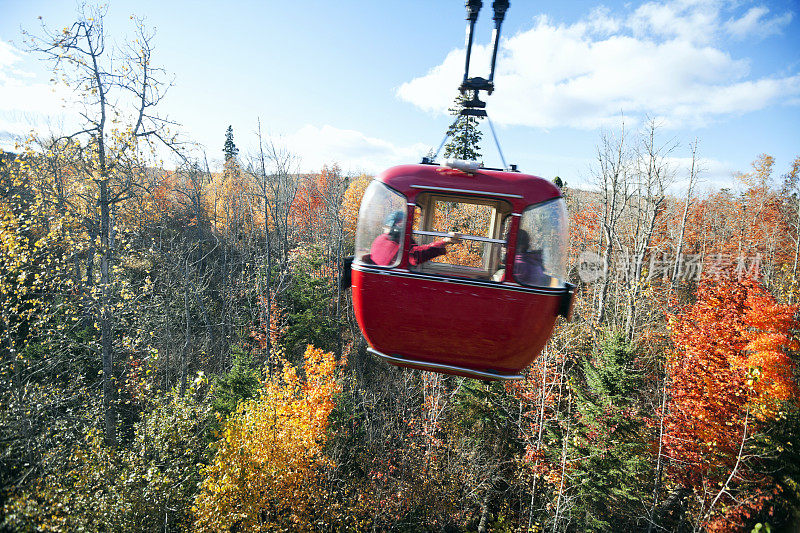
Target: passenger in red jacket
{"x": 385, "y": 247}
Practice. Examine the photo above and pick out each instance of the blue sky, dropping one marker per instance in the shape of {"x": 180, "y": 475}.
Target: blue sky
{"x": 366, "y": 84}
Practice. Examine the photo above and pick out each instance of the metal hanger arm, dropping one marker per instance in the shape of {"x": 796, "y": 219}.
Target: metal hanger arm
{"x": 473, "y": 8}
{"x": 500, "y": 8}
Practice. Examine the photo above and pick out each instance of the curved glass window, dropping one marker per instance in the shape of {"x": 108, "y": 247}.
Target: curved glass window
{"x": 541, "y": 250}
{"x": 381, "y": 226}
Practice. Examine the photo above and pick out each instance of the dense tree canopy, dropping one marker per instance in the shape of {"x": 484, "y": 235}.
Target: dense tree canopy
{"x": 177, "y": 354}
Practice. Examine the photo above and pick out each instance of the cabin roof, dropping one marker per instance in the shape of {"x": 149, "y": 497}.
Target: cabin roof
{"x": 520, "y": 189}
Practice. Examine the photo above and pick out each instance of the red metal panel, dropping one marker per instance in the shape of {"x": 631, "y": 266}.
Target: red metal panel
{"x": 408, "y": 179}
{"x": 447, "y": 322}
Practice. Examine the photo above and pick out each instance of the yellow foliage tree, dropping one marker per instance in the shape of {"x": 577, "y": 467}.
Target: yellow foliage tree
{"x": 352, "y": 202}
{"x": 266, "y": 473}
{"x": 232, "y": 203}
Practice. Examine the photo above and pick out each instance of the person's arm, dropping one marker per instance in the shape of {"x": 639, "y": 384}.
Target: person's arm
{"x": 422, "y": 253}
{"x": 419, "y": 254}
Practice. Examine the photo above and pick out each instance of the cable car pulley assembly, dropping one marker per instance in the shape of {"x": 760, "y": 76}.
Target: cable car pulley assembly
{"x": 474, "y": 106}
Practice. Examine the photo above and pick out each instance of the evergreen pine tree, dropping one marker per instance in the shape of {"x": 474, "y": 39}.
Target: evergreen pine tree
{"x": 486, "y": 424}
{"x": 241, "y": 383}
{"x": 464, "y": 134}
{"x": 229, "y": 149}
{"x": 609, "y": 441}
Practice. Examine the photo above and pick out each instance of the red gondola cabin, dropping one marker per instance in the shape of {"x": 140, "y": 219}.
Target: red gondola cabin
{"x": 485, "y": 308}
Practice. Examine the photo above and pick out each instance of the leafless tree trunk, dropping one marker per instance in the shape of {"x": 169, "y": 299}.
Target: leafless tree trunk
{"x": 276, "y": 184}
{"x": 333, "y": 198}
{"x": 796, "y": 242}
{"x": 79, "y": 53}
{"x": 791, "y": 192}
{"x": 652, "y": 521}
{"x": 612, "y": 178}
{"x": 653, "y": 177}
{"x": 545, "y": 391}
{"x": 564, "y": 453}
{"x": 187, "y": 326}
{"x": 266, "y": 288}
{"x": 706, "y": 513}
{"x": 693, "y": 173}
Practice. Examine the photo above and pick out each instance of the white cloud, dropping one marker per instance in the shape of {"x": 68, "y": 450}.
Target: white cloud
{"x": 712, "y": 174}
{"x": 754, "y": 22}
{"x": 352, "y": 150}
{"x": 8, "y": 55}
{"x": 660, "y": 61}
{"x": 602, "y": 22}
{"x": 26, "y": 104}
{"x": 694, "y": 21}
{"x": 435, "y": 91}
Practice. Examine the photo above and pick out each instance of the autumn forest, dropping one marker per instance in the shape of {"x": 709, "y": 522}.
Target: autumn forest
{"x": 177, "y": 352}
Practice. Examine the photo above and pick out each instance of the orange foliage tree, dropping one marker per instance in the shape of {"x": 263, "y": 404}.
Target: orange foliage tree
{"x": 308, "y": 204}
{"x": 746, "y": 224}
{"x": 316, "y": 195}
{"x": 730, "y": 375}
{"x": 266, "y": 473}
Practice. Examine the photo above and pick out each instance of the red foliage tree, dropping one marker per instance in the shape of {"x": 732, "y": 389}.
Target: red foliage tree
{"x": 729, "y": 375}
{"x": 316, "y": 195}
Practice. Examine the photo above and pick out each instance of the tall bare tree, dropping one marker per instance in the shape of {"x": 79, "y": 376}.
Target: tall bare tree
{"x": 694, "y": 171}
{"x": 791, "y": 192}
{"x": 274, "y": 171}
{"x": 653, "y": 176}
{"x": 613, "y": 179}
{"x": 118, "y": 90}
